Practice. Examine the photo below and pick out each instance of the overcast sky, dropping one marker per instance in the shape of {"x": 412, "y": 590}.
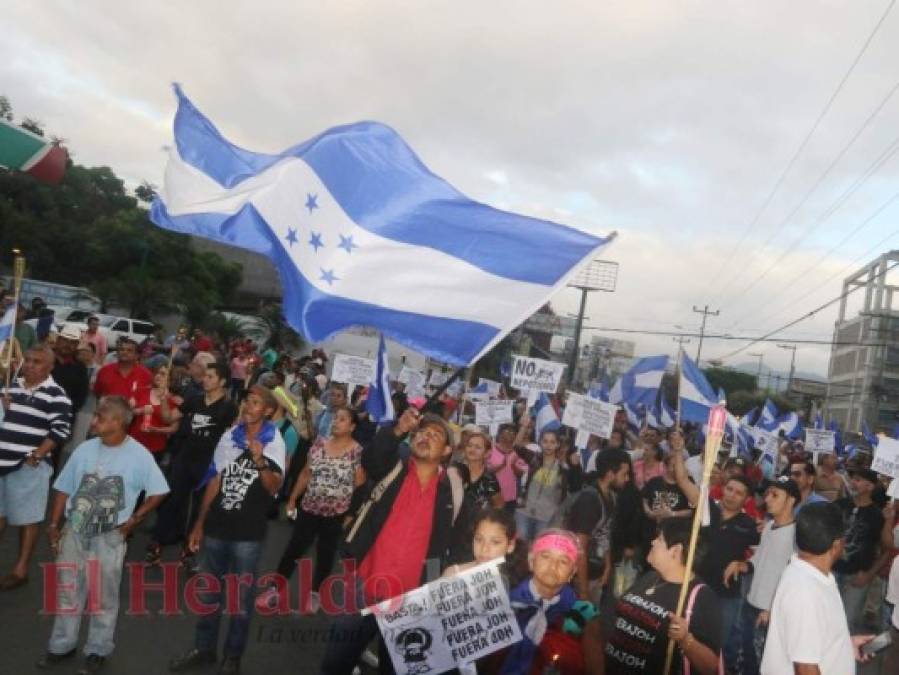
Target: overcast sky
{"x": 667, "y": 121}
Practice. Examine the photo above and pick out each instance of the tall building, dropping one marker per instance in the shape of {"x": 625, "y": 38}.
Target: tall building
{"x": 863, "y": 377}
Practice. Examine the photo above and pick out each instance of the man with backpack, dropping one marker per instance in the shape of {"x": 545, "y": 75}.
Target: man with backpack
{"x": 590, "y": 514}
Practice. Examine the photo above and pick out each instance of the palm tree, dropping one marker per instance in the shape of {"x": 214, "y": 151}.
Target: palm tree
{"x": 273, "y": 330}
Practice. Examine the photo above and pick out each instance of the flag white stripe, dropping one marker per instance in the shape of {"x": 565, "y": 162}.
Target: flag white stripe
{"x": 415, "y": 271}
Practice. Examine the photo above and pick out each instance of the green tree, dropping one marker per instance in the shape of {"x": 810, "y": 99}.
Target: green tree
{"x": 33, "y": 125}
{"x": 274, "y": 331}
{"x": 731, "y": 381}
{"x": 5, "y": 109}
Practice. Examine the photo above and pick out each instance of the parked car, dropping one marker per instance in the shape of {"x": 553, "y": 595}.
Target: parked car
{"x": 111, "y": 326}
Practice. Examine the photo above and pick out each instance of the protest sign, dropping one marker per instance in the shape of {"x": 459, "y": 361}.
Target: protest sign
{"x": 414, "y": 381}
{"x": 455, "y": 389}
{"x": 886, "y": 457}
{"x": 819, "y": 440}
{"x": 768, "y": 444}
{"x": 488, "y": 413}
{"x": 353, "y": 369}
{"x": 438, "y": 378}
{"x": 589, "y": 414}
{"x": 893, "y": 490}
{"x": 536, "y": 374}
{"x": 448, "y": 623}
{"x": 492, "y": 386}
{"x": 581, "y": 439}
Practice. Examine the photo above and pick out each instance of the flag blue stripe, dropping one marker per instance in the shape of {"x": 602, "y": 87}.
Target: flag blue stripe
{"x": 385, "y": 188}
{"x": 318, "y": 315}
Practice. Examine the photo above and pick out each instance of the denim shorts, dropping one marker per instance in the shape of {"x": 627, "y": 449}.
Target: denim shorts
{"x": 24, "y": 492}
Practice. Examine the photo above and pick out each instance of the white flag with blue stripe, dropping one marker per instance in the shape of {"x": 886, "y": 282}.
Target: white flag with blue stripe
{"x": 768, "y": 419}
{"x": 379, "y": 403}
{"x": 640, "y": 384}
{"x": 363, "y": 234}
{"x": 8, "y": 323}
{"x": 696, "y": 394}
{"x": 545, "y": 417}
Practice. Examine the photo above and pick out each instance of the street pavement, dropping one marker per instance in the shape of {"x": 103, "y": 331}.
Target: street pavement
{"x": 144, "y": 644}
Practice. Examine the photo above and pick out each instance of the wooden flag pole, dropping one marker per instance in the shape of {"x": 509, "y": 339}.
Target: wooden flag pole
{"x": 717, "y": 418}
{"x": 18, "y": 275}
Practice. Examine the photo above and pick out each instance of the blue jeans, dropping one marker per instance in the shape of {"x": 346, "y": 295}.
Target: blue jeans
{"x": 223, "y": 558}
{"x": 853, "y": 601}
{"x": 751, "y": 639}
{"x": 730, "y": 614}
{"x": 108, "y": 549}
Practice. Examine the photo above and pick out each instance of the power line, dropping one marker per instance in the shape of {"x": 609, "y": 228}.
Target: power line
{"x": 804, "y": 273}
{"x": 805, "y": 316}
{"x": 807, "y": 196}
{"x": 711, "y": 336}
{"x": 805, "y": 141}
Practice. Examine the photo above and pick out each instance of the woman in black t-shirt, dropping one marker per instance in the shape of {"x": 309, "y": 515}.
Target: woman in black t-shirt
{"x": 662, "y": 499}
{"x": 644, "y": 623}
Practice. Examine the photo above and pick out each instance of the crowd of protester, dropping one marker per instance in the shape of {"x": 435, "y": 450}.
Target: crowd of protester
{"x": 209, "y": 442}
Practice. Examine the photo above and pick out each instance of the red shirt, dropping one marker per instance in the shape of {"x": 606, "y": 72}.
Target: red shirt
{"x": 202, "y": 344}
{"x": 111, "y": 382}
{"x": 151, "y": 440}
{"x": 394, "y": 563}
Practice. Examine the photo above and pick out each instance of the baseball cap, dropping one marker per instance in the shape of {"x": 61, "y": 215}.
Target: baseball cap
{"x": 788, "y": 485}
{"x": 70, "y": 332}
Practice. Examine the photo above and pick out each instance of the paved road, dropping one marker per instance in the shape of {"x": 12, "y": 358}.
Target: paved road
{"x": 144, "y": 644}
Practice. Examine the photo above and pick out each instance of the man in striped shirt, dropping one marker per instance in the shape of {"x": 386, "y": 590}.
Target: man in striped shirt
{"x": 38, "y": 420}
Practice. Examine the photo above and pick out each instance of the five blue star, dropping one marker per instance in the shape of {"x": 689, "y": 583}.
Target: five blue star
{"x": 311, "y": 201}
{"x": 316, "y": 241}
{"x": 291, "y": 236}
{"x": 347, "y": 243}
{"x": 328, "y": 276}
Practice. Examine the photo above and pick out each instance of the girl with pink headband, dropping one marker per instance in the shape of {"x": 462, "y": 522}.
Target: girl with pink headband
{"x": 557, "y": 628}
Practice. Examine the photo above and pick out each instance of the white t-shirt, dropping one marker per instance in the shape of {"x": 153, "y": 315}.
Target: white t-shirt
{"x": 694, "y": 466}
{"x": 808, "y": 624}
{"x": 893, "y": 591}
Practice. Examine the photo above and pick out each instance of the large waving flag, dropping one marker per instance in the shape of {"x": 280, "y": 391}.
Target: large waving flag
{"x": 640, "y": 384}
{"x": 696, "y": 394}
{"x": 379, "y": 404}
{"x": 791, "y": 425}
{"x": 362, "y": 233}
{"x": 868, "y": 435}
{"x": 7, "y": 323}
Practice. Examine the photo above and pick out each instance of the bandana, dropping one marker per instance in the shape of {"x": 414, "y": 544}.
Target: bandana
{"x": 555, "y": 542}
{"x": 534, "y": 615}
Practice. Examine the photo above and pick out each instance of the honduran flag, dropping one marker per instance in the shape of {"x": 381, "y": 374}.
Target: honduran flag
{"x": 379, "y": 403}
{"x": 22, "y": 150}
{"x": 363, "y": 234}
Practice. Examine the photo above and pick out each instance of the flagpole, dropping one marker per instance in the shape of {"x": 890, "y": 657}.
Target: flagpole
{"x": 18, "y": 274}
{"x": 717, "y": 418}
{"x": 680, "y": 351}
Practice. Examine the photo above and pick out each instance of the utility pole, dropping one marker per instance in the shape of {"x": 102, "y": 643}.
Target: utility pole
{"x": 705, "y": 315}
{"x": 758, "y": 377}
{"x": 599, "y": 275}
{"x": 681, "y": 340}
{"x": 792, "y": 348}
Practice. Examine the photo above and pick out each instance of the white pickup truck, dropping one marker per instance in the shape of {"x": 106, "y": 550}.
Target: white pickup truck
{"x": 111, "y": 326}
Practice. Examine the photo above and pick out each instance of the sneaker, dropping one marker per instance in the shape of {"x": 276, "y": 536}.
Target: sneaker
{"x": 192, "y": 659}
{"x": 268, "y": 599}
{"x": 189, "y": 563}
{"x": 50, "y": 659}
{"x": 93, "y": 663}
{"x": 153, "y": 555}
{"x": 230, "y": 665}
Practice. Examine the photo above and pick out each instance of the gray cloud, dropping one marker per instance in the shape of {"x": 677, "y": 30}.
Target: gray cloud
{"x": 668, "y": 121}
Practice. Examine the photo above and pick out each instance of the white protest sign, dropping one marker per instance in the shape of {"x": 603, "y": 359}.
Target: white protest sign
{"x": 449, "y": 622}
{"x": 488, "y": 413}
{"x": 819, "y": 440}
{"x": 768, "y": 444}
{"x": 536, "y": 374}
{"x": 353, "y": 369}
{"x": 414, "y": 381}
{"x": 886, "y": 457}
{"x": 455, "y": 389}
{"x": 581, "y": 439}
{"x": 893, "y": 490}
{"x": 437, "y": 378}
{"x": 589, "y": 414}
{"x": 492, "y": 386}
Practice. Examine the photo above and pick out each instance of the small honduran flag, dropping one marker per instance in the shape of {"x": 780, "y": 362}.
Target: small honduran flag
{"x": 22, "y": 150}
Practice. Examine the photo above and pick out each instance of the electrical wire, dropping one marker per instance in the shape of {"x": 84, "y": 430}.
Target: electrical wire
{"x": 712, "y": 336}
{"x": 827, "y": 106}
{"x": 805, "y": 316}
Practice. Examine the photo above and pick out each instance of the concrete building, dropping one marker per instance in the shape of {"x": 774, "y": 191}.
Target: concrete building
{"x": 863, "y": 376}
